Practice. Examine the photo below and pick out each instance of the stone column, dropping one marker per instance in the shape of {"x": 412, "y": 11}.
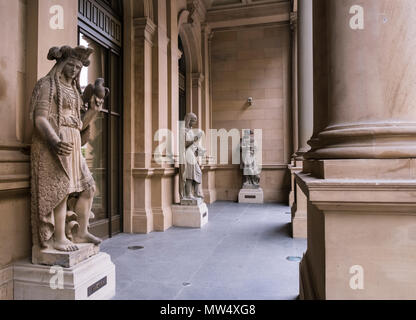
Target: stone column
{"x": 208, "y": 176}
{"x": 206, "y": 121}
{"x": 304, "y": 111}
{"x": 197, "y": 80}
{"x": 173, "y": 75}
{"x": 138, "y": 216}
{"x": 161, "y": 180}
{"x": 294, "y": 50}
{"x": 144, "y": 32}
{"x": 160, "y": 72}
{"x": 360, "y": 174}
{"x": 371, "y": 76}
{"x": 295, "y": 92}
{"x": 305, "y": 75}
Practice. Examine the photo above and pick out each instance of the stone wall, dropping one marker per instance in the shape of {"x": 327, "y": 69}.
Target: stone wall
{"x": 26, "y": 39}
{"x": 14, "y": 166}
{"x": 253, "y": 62}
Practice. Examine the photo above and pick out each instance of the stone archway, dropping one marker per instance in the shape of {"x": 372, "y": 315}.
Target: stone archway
{"x": 191, "y": 40}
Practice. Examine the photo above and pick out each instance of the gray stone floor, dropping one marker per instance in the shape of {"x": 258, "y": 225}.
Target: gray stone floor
{"x": 241, "y": 254}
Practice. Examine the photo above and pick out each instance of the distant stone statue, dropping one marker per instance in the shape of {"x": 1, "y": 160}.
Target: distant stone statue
{"x": 248, "y": 163}
{"x": 62, "y": 185}
{"x": 190, "y": 171}
{"x": 192, "y": 212}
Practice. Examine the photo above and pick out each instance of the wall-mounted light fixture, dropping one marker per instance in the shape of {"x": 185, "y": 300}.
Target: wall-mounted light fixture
{"x": 250, "y": 101}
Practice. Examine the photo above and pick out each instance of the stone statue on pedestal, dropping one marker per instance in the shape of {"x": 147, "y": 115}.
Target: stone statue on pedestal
{"x": 248, "y": 162}
{"x": 62, "y": 185}
{"x": 192, "y": 211}
{"x": 250, "y": 191}
{"x": 190, "y": 171}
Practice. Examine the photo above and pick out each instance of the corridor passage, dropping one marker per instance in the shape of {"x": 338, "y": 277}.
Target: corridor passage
{"x": 241, "y": 254}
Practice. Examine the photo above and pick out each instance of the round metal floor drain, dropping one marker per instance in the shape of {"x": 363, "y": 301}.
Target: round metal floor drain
{"x": 136, "y": 248}
{"x": 186, "y": 284}
{"x": 294, "y": 259}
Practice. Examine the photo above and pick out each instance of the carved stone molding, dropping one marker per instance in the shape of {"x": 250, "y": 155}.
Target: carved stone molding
{"x": 267, "y": 13}
{"x": 293, "y": 21}
{"x": 144, "y": 28}
{"x": 183, "y": 18}
{"x": 197, "y": 79}
{"x": 197, "y": 9}
{"x": 99, "y": 18}
{"x": 145, "y": 173}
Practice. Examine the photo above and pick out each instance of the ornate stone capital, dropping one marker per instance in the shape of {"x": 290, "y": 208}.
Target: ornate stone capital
{"x": 197, "y": 10}
{"x": 144, "y": 28}
{"x": 207, "y": 31}
{"x": 293, "y": 21}
{"x": 197, "y": 79}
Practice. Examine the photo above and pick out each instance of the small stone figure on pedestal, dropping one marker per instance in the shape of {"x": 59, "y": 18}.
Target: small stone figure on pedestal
{"x": 192, "y": 212}
{"x": 251, "y": 191}
{"x": 248, "y": 163}
{"x": 191, "y": 174}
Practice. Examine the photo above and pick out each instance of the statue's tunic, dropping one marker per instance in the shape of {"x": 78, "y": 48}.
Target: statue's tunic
{"x": 55, "y": 177}
{"x": 75, "y": 165}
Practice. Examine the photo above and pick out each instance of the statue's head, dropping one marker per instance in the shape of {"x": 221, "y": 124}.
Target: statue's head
{"x": 69, "y": 61}
{"x": 190, "y": 120}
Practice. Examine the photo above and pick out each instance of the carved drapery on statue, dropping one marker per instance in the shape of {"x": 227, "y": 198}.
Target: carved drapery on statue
{"x": 61, "y": 116}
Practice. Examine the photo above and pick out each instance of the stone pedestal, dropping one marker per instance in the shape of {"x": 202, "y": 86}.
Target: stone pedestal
{"x": 6, "y": 283}
{"x": 92, "y": 279}
{"x": 362, "y": 222}
{"x": 294, "y": 167}
{"x": 299, "y": 215}
{"x": 64, "y": 259}
{"x": 297, "y": 203}
{"x": 251, "y": 196}
{"x": 190, "y": 216}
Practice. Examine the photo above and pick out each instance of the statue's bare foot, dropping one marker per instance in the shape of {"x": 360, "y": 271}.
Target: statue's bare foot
{"x": 65, "y": 245}
{"x": 87, "y": 238}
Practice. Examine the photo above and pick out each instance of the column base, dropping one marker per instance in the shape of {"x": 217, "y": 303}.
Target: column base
{"x": 300, "y": 226}
{"x": 142, "y": 221}
{"x": 306, "y": 289}
{"x": 6, "y": 283}
{"x": 190, "y": 216}
{"x": 251, "y": 196}
{"x": 210, "y": 195}
{"x": 299, "y": 214}
{"x": 92, "y": 279}
{"x": 294, "y": 167}
{"x": 162, "y": 219}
